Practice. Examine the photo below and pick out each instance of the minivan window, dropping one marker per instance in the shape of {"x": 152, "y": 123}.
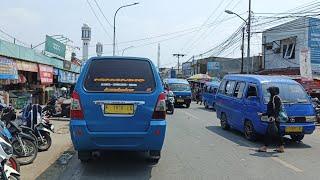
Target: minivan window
{"x": 229, "y": 87}
{"x": 238, "y": 92}
{"x": 252, "y": 91}
{"x": 221, "y": 87}
{"x": 289, "y": 93}
{"x": 120, "y": 76}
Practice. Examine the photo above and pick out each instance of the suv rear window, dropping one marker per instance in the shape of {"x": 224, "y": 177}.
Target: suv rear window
{"x": 120, "y": 76}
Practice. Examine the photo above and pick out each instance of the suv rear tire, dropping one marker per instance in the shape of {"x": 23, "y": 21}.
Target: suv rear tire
{"x": 154, "y": 156}
{"x": 297, "y": 137}
{"x": 224, "y": 122}
{"x": 188, "y": 105}
{"x": 84, "y": 156}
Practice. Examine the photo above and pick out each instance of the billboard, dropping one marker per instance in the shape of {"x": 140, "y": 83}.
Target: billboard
{"x": 55, "y": 47}
{"x": 213, "y": 66}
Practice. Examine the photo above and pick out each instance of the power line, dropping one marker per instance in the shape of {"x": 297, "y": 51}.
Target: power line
{"x": 103, "y": 14}
{"x": 104, "y": 29}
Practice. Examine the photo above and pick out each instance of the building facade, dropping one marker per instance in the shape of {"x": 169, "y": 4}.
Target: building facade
{"x": 293, "y": 45}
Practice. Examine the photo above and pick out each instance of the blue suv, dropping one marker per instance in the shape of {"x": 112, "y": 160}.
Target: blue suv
{"x": 118, "y": 104}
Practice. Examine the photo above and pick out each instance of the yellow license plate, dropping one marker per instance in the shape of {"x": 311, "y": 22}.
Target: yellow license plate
{"x": 293, "y": 129}
{"x": 180, "y": 100}
{"x": 118, "y": 109}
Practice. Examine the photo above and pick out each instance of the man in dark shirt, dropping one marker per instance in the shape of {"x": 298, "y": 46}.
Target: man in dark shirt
{"x": 273, "y": 111}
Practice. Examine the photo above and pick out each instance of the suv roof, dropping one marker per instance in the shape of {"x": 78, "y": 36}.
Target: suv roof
{"x": 261, "y": 78}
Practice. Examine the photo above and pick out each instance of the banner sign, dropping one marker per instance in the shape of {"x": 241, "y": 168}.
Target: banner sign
{"x": 46, "y": 74}
{"x": 27, "y": 66}
{"x": 66, "y": 65}
{"x": 55, "y": 47}
{"x": 67, "y": 77}
{"x": 55, "y": 71}
{"x": 8, "y": 69}
{"x": 305, "y": 65}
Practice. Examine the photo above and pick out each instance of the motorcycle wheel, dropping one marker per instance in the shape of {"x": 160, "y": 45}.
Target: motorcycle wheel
{"x": 46, "y": 144}
{"x": 13, "y": 163}
{"x": 31, "y": 151}
{"x": 14, "y": 177}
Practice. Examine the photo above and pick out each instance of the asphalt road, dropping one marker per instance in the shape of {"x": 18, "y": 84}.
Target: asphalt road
{"x": 197, "y": 148}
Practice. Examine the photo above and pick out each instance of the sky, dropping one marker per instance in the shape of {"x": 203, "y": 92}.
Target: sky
{"x": 180, "y": 26}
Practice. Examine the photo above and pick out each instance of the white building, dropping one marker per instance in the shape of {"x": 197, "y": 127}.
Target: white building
{"x": 293, "y": 45}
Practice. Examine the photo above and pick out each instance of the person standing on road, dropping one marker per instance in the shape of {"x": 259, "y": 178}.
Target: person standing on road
{"x": 273, "y": 110}
{"x": 199, "y": 96}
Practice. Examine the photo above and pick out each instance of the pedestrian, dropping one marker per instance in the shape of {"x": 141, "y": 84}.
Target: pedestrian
{"x": 273, "y": 131}
{"x": 199, "y": 96}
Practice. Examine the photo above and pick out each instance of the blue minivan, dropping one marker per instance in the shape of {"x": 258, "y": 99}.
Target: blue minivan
{"x": 209, "y": 94}
{"x": 241, "y": 98}
{"x": 118, "y": 104}
{"x": 181, "y": 90}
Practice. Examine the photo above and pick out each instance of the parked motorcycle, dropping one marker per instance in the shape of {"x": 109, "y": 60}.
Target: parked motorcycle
{"x": 24, "y": 145}
{"x": 170, "y": 102}
{"x": 8, "y": 165}
{"x": 316, "y": 106}
{"x": 39, "y": 127}
{"x": 57, "y": 107}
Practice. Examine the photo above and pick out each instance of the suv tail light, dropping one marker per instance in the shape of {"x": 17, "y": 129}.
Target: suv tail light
{"x": 160, "y": 109}
{"x": 75, "y": 109}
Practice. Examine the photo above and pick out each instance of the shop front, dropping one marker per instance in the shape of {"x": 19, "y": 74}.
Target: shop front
{"x": 8, "y": 76}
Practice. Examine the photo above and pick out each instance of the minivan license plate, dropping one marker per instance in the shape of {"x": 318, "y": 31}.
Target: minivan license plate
{"x": 118, "y": 109}
{"x": 180, "y": 100}
{"x": 293, "y": 129}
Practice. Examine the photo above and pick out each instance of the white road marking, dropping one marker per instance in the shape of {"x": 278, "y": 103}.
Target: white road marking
{"x": 284, "y": 163}
{"x": 191, "y": 115}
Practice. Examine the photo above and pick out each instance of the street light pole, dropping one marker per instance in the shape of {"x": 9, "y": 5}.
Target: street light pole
{"x": 249, "y": 34}
{"x": 114, "y": 26}
{"x": 126, "y": 49}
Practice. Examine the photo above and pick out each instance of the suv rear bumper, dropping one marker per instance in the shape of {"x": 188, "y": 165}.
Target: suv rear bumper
{"x": 85, "y": 140}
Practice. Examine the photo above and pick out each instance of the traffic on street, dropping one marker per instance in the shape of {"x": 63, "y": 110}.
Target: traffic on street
{"x": 222, "y": 90}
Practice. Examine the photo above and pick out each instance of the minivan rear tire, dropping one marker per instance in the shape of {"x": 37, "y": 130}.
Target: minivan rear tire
{"x": 154, "y": 156}
{"x": 188, "y": 105}
{"x": 224, "y": 122}
{"x": 84, "y": 156}
{"x": 297, "y": 137}
{"x": 249, "y": 131}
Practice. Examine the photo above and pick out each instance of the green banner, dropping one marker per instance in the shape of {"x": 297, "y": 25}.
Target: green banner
{"x": 55, "y": 47}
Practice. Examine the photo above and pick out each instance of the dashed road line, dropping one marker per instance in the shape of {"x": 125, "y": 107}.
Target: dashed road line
{"x": 286, "y": 164}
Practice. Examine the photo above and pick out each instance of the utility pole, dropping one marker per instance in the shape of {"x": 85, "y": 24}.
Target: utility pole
{"x": 178, "y": 56}
{"x": 249, "y": 33}
{"x": 158, "y": 55}
{"x": 242, "y": 50}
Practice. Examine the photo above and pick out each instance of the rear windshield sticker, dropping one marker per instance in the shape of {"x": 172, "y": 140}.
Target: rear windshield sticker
{"x": 118, "y": 90}
{"x": 118, "y": 80}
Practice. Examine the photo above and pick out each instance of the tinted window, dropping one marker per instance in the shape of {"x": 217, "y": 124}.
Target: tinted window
{"x": 252, "y": 91}
{"x": 229, "y": 87}
{"x": 221, "y": 87}
{"x": 238, "y": 91}
{"x": 179, "y": 87}
{"x": 120, "y": 76}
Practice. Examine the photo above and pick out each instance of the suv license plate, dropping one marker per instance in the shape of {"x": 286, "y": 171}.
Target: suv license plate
{"x": 118, "y": 109}
{"x": 293, "y": 129}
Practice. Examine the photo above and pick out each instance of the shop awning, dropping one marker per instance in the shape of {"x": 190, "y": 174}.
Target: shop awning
{"x": 8, "y": 69}
{"x": 27, "y": 66}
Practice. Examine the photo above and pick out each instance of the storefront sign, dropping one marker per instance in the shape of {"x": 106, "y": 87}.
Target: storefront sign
{"x": 55, "y": 47}
{"x": 67, "y": 77}
{"x": 8, "y": 69}
{"x": 46, "y": 74}
{"x": 55, "y": 71}
{"x": 27, "y": 66}
{"x": 66, "y": 65}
